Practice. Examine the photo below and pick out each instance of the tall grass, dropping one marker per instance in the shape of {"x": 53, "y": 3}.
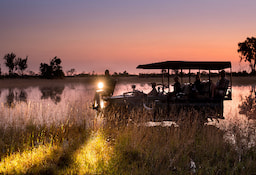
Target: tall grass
{"x": 167, "y": 150}
{"x": 139, "y": 149}
{"x": 111, "y": 146}
{"x": 36, "y": 139}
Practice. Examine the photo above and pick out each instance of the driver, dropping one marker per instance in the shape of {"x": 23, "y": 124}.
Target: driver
{"x": 109, "y": 86}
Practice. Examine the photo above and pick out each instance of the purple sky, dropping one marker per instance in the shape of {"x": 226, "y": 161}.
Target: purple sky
{"x": 93, "y": 35}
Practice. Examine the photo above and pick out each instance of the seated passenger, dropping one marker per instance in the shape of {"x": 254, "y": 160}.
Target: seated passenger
{"x": 176, "y": 86}
{"x": 153, "y": 92}
{"x": 221, "y": 86}
{"x": 197, "y": 86}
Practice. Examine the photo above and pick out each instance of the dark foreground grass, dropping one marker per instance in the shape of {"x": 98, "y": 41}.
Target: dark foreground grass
{"x": 129, "y": 147}
{"x": 190, "y": 148}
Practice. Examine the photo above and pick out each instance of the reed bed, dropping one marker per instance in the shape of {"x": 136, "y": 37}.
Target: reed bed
{"x": 111, "y": 145}
{"x": 187, "y": 149}
{"x": 37, "y": 139}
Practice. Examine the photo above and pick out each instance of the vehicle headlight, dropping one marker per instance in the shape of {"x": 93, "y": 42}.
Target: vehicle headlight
{"x": 100, "y": 85}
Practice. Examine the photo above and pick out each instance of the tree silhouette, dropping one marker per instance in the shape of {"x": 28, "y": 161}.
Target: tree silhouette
{"x": 9, "y": 61}
{"x": 247, "y": 49}
{"x": 46, "y": 70}
{"x": 21, "y": 64}
{"x": 54, "y": 93}
{"x": 71, "y": 72}
{"x": 248, "y": 105}
{"x": 54, "y": 70}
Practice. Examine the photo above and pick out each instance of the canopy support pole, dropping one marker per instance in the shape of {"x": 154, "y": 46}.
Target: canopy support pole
{"x": 168, "y": 80}
{"x": 181, "y": 75}
{"x": 189, "y": 76}
{"x": 210, "y": 83}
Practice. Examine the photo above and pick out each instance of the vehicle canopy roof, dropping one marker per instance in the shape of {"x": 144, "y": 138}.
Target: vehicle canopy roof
{"x": 203, "y": 65}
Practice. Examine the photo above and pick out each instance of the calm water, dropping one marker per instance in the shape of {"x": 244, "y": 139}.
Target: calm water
{"x": 54, "y": 105}
{"x": 48, "y": 105}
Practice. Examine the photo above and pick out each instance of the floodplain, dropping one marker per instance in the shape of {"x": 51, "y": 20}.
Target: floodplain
{"x": 49, "y": 127}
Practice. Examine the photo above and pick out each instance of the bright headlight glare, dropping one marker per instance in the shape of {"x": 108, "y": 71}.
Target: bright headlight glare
{"x": 100, "y": 85}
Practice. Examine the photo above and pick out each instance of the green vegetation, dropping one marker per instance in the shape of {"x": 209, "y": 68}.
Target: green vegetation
{"x": 83, "y": 144}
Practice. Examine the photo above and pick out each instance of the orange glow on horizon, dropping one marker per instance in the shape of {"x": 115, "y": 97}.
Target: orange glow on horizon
{"x": 89, "y": 36}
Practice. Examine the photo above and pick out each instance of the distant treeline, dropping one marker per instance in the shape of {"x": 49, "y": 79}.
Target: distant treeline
{"x": 18, "y": 65}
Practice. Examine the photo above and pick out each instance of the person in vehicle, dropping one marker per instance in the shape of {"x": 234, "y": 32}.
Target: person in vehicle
{"x": 222, "y": 84}
{"x": 108, "y": 89}
{"x": 220, "y": 89}
{"x": 197, "y": 86}
{"x": 176, "y": 86}
{"x": 109, "y": 84}
{"x": 153, "y": 92}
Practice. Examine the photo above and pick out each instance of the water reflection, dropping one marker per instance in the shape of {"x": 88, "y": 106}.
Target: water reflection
{"x": 23, "y": 96}
{"x": 10, "y": 98}
{"x": 51, "y": 102}
{"x": 54, "y": 93}
{"x": 46, "y": 105}
{"x": 14, "y": 96}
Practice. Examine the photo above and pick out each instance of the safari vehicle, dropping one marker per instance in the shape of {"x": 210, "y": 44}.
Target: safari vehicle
{"x": 168, "y": 101}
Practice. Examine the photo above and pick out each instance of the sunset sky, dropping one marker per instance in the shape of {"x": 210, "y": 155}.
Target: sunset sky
{"x": 94, "y": 35}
